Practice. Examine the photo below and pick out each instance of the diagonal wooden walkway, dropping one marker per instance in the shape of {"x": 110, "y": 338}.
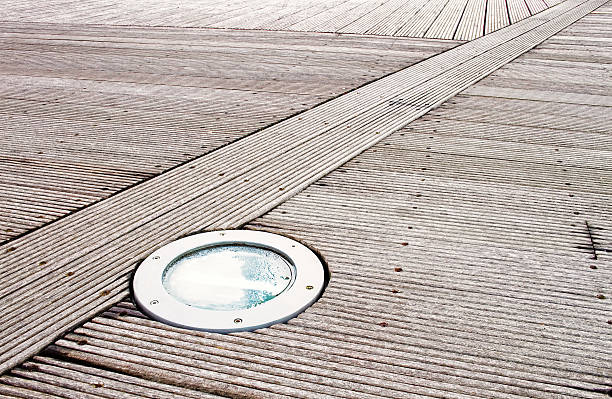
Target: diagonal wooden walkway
{"x": 503, "y": 292}
{"x": 91, "y": 111}
{"x": 462, "y": 205}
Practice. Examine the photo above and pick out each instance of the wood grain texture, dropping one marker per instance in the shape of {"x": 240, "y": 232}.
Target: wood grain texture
{"x": 495, "y": 297}
{"x": 89, "y": 111}
{"x": 413, "y": 18}
{"x": 481, "y": 204}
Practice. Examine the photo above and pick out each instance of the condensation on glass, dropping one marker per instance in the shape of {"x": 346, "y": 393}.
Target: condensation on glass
{"x": 228, "y": 281}
{"x": 228, "y": 277}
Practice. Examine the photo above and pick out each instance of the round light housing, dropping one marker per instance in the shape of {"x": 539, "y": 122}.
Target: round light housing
{"x": 227, "y": 281}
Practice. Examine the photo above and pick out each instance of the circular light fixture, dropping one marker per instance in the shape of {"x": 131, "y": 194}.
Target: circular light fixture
{"x": 228, "y": 281}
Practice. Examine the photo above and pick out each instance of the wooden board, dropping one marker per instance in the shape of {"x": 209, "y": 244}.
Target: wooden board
{"x": 77, "y": 101}
{"x": 61, "y": 275}
{"x": 469, "y": 255}
{"x": 412, "y": 18}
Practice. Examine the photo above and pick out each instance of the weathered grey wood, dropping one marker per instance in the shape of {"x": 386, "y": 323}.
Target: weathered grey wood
{"x": 535, "y": 6}
{"x": 518, "y": 10}
{"x": 56, "y": 280}
{"x": 420, "y": 23}
{"x": 76, "y": 104}
{"x": 414, "y": 18}
{"x": 81, "y": 378}
{"x": 492, "y": 205}
{"x": 391, "y": 24}
{"x": 472, "y": 23}
{"x": 371, "y": 19}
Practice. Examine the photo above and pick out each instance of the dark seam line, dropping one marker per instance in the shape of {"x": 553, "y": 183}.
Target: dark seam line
{"x": 484, "y": 26}
{"x": 460, "y": 20}
{"x": 508, "y": 12}
{"x": 330, "y": 99}
{"x": 591, "y": 240}
{"x": 528, "y": 9}
{"x": 217, "y": 148}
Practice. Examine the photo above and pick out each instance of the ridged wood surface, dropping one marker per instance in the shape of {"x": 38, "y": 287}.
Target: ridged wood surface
{"x": 88, "y": 111}
{"x": 469, "y": 251}
{"x": 439, "y": 19}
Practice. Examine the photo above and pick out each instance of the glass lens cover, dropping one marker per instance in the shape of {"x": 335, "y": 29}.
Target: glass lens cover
{"x": 227, "y": 277}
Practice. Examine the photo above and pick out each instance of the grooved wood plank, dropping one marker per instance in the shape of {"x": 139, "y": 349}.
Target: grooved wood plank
{"x": 302, "y": 15}
{"x": 445, "y": 25}
{"x": 99, "y": 382}
{"x": 334, "y": 18}
{"x": 369, "y": 20}
{"x": 472, "y": 23}
{"x": 535, "y": 6}
{"x": 396, "y": 20}
{"x": 420, "y": 23}
{"x": 497, "y": 15}
{"x": 518, "y": 10}
{"x": 66, "y": 272}
{"x": 410, "y": 18}
{"x": 76, "y": 104}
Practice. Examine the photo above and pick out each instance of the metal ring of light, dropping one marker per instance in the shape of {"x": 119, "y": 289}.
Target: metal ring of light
{"x": 303, "y": 288}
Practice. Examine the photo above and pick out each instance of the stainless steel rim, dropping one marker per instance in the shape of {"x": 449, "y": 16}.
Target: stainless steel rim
{"x": 305, "y": 288}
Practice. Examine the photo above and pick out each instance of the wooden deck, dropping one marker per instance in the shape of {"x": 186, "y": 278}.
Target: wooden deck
{"x": 462, "y": 205}
{"x": 77, "y": 104}
{"x": 437, "y": 19}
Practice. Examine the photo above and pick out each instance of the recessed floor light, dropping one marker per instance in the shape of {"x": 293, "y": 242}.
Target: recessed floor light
{"x": 227, "y": 281}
